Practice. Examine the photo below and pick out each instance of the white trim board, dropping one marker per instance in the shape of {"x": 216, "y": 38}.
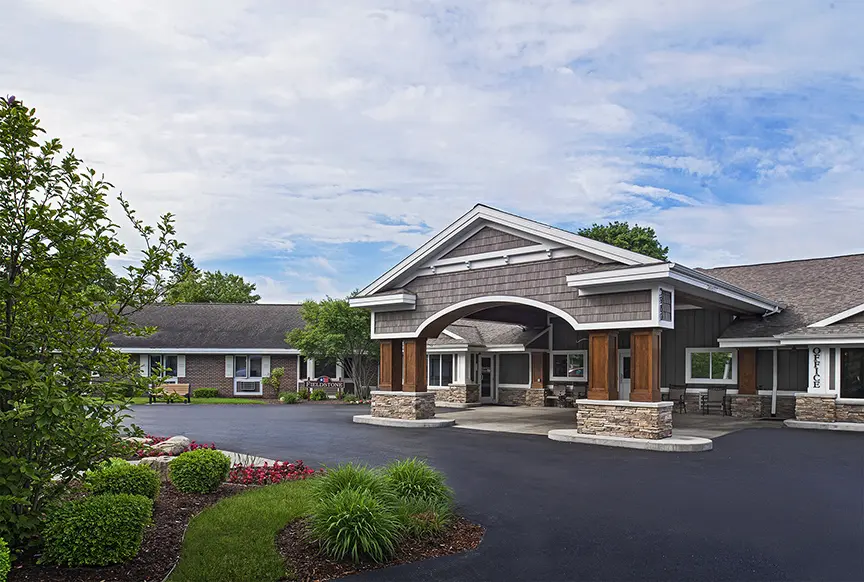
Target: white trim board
{"x": 837, "y": 317}
{"x": 205, "y": 351}
{"x": 496, "y": 218}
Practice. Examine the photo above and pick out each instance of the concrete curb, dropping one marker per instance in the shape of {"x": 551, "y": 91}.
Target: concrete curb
{"x": 675, "y": 444}
{"x": 815, "y": 425}
{"x": 402, "y": 423}
{"x": 457, "y": 404}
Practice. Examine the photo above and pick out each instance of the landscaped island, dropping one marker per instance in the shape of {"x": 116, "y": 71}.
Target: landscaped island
{"x": 173, "y": 509}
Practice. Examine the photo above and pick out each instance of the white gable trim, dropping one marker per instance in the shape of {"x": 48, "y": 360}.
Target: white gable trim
{"x": 452, "y": 335}
{"x": 523, "y": 226}
{"x": 839, "y": 316}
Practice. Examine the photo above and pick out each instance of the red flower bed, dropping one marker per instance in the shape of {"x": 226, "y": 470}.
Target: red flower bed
{"x": 268, "y": 474}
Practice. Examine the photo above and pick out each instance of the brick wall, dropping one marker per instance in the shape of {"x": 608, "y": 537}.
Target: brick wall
{"x": 208, "y": 371}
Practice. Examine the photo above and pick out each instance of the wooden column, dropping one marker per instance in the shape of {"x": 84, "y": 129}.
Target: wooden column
{"x": 603, "y": 365}
{"x": 415, "y": 365}
{"x": 645, "y": 365}
{"x": 538, "y": 371}
{"x": 390, "y": 366}
{"x": 747, "y": 371}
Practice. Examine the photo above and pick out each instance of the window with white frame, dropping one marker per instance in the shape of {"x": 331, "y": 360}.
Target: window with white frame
{"x": 514, "y": 369}
{"x": 440, "y": 368}
{"x": 248, "y": 371}
{"x": 474, "y": 368}
{"x": 711, "y": 366}
{"x": 571, "y": 366}
{"x": 164, "y": 364}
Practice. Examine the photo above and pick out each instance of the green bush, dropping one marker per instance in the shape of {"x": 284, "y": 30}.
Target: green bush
{"x": 304, "y": 393}
{"x": 413, "y": 479}
{"x": 350, "y": 476}
{"x": 355, "y": 523}
{"x": 96, "y": 531}
{"x": 318, "y": 394}
{"x": 422, "y": 518}
{"x": 205, "y": 393}
{"x": 5, "y": 560}
{"x": 349, "y": 398}
{"x": 289, "y": 397}
{"x": 124, "y": 478}
{"x": 199, "y": 471}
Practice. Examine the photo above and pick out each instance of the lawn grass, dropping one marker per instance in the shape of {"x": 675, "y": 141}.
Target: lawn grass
{"x": 234, "y": 541}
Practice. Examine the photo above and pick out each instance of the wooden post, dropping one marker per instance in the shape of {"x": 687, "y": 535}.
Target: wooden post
{"x": 415, "y": 365}
{"x": 538, "y": 371}
{"x": 603, "y": 365}
{"x": 390, "y": 366}
{"x": 747, "y": 371}
{"x": 645, "y": 365}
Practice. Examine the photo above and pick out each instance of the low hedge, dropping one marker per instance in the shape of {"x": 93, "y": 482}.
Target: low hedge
{"x": 124, "y": 478}
{"x": 5, "y": 560}
{"x": 289, "y": 397}
{"x": 199, "y": 471}
{"x": 318, "y": 394}
{"x": 96, "y": 531}
{"x": 205, "y": 393}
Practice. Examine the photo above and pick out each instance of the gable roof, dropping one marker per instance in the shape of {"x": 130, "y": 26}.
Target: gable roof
{"x": 482, "y": 215}
{"x": 477, "y": 332}
{"x": 811, "y": 289}
{"x": 214, "y": 326}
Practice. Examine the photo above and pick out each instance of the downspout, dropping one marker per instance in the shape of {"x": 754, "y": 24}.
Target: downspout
{"x": 774, "y": 385}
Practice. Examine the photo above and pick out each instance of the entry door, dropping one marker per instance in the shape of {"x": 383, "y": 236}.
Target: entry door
{"x": 624, "y": 374}
{"x": 487, "y": 379}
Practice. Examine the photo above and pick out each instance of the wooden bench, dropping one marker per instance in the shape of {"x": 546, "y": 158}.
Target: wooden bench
{"x": 166, "y": 389}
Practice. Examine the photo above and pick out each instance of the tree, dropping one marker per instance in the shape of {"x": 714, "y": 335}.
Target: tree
{"x": 639, "y": 239}
{"x": 335, "y": 331}
{"x": 182, "y": 265}
{"x": 194, "y": 286}
{"x": 60, "y": 379}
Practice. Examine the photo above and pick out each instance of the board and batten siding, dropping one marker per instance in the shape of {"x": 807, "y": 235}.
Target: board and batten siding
{"x": 543, "y": 281}
{"x": 792, "y": 369}
{"x": 487, "y": 240}
{"x": 694, "y": 328}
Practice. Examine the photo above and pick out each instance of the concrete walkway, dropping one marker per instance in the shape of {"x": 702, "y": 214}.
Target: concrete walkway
{"x": 540, "y": 421}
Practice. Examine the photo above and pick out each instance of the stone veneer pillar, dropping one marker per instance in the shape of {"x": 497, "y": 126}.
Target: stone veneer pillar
{"x": 457, "y": 394}
{"x": 403, "y": 405}
{"x": 747, "y": 406}
{"x": 815, "y": 407}
{"x": 603, "y": 365}
{"x": 641, "y": 420}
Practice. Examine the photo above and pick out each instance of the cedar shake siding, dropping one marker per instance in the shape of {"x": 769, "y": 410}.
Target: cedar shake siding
{"x": 208, "y": 371}
{"x": 487, "y": 240}
{"x": 543, "y": 281}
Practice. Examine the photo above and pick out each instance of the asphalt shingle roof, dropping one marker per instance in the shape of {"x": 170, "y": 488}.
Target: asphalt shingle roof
{"x": 486, "y": 333}
{"x": 215, "y": 325}
{"x": 812, "y": 289}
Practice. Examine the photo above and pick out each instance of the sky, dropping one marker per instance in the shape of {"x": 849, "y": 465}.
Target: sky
{"x": 311, "y": 145}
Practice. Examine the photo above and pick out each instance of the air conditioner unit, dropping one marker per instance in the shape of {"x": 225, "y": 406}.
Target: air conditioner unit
{"x": 248, "y": 386}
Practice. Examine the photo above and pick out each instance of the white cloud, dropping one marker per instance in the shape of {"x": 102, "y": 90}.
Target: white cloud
{"x": 262, "y": 125}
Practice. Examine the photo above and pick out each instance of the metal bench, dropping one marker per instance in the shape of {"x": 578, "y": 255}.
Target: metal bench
{"x": 166, "y": 389}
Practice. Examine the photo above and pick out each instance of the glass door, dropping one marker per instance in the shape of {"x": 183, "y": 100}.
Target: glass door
{"x": 487, "y": 379}
{"x": 623, "y": 374}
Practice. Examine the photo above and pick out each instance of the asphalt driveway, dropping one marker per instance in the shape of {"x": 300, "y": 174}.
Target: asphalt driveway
{"x": 763, "y": 505}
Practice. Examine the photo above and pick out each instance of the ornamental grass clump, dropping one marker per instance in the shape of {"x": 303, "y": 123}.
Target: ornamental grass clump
{"x": 199, "y": 471}
{"x": 124, "y": 477}
{"x": 415, "y": 479}
{"x": 356, "y": 524}
{"x": 96, "y": 531}
{"x": 350, "y": 476}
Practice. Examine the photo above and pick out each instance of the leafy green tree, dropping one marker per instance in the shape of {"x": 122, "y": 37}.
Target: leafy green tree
{"x": 182, "y": 265}
{"x": 194, "y": 286}
{"x": 337, "y": 332}
{"x": 639, "y": 239}
{"x": 59, "y": 377}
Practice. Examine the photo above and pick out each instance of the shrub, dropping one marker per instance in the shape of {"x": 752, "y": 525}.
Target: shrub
{"x": 413, "y": 479}
{"x": 269, "y": 474}
{"x": 205, "y": 393}
{"x": 124, "y": 478}
{"x": 199, "y": 471}
{"x": 318, "y": 394}
{"x": 304, "y": 393}
{"x": 289, "y": 397}
{"x": 96, "y": 531}
{"x": 351, "y": 476}
{"x": 422, "y": 518}
{"x": 349, "y": 399}
{"x": 355, "y": 523}
{"x": 5, "y": 560}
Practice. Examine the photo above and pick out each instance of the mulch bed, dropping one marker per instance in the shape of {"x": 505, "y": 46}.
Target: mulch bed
{"x": 309, "y": 565}
{"x": 159, "y": 550}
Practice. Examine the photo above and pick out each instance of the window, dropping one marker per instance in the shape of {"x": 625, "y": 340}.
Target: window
{"x": 164, "y": 364}
{"x": 440, "y": 369}
{"x": 570, "y": 366}
{"x": 240, "y": 366}
{"x": 711, "y": 366}
{"x": 474, "y": 368}
{"x": 325, "y": 369}
{"x": 514, "y": 369}
{"x": 851, "y": 373}
{"x": 301, "y": 374}
{"x": 665, "y": 305}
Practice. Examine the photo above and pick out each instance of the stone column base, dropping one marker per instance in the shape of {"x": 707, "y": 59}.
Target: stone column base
{"x": 815, "y": 407}
{"x": 642, "y": 420}
{"x": 522, "y": 396}
{"x": 403, "y": 405}
{"x": 849, "y": 410}
{"x": 457, "y": 394}
{"x": 748, "y": 406}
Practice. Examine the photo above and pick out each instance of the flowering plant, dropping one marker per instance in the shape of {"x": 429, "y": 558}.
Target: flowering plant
{"x": 267, "y": 474}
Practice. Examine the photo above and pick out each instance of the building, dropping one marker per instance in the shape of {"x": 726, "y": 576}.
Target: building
{"x": 621, "y": 327}
{"x": 230, "y": 347}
